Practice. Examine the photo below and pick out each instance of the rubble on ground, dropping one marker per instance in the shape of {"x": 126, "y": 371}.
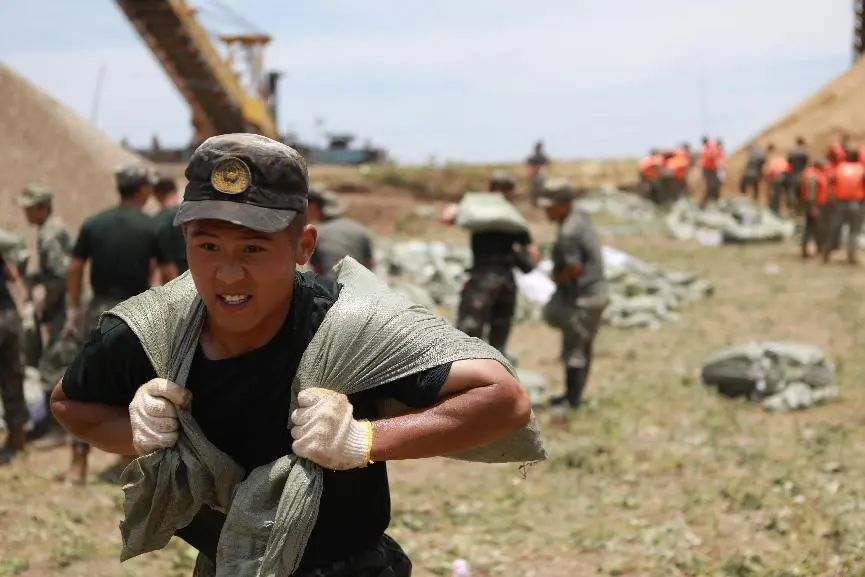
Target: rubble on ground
{"x": 618, "y": 204}
{"x": 642, "y": 295}
{"x": 782, "y": 376}
{"x": 730, "y": 221}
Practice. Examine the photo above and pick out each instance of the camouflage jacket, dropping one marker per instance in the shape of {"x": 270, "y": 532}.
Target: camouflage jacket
{"x": 53, "y": 246}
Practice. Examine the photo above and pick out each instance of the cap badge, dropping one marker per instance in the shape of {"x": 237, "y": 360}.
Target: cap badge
{"x": 230, "y": 176}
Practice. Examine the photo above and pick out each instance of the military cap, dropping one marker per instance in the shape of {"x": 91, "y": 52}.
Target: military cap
{"x": 500, "y": 180}
{"x": 245, "y": 179}
{"x": 34, "y": 194}
{"x": 555, "y": 191}
{"x": 134, "y": 175}
{"x": 330, "y": 205}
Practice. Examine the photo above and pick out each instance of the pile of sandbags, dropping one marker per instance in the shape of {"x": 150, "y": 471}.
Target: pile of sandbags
{"x": 731, "y": 221}
{"x": 782, "y": 376}
{"x": 426, "y": 272}
{"x": 643, "y": 295}
{"x": 618, "y": 204}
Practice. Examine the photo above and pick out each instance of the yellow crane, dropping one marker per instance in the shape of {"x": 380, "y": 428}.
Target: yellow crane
{"x": 220, "y": 100}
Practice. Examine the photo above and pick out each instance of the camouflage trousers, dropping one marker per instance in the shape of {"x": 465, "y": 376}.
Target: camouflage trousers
{"x": 11, "y": 371}
{"x": 579, "y": 320}
{"x": 849, "y": 213}
{"x": 713, "y": 186}
{"x": 816, "y": 223}
{"x": 487, "y": 305}
{"x": 750, "y": 182}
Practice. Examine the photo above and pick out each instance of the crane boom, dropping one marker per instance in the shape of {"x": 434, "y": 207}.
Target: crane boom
{"x": 219, "y": 102}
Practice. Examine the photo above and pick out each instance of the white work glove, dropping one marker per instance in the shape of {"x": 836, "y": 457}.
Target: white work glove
{"x": 73, "y": 321}
{"x": 326, "y": 433}
{"x": 153, "y": 415}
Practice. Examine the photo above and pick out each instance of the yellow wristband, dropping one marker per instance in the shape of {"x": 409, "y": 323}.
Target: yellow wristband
{"x": 369, "y": 460}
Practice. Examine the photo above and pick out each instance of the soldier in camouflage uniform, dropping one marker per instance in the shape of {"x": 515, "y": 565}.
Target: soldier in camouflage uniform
{"x": 11, "y": 371}
{"x": 122, "y": 247}
{"x": 338, "y": 235}
{"x": 581, "y": 291}
{"x": 47, "y": 292}
{"x": 489, "y": 296}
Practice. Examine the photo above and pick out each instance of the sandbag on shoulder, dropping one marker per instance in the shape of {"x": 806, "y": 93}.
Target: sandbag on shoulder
{"x": 489, "y": 212}
{"x": 369, "y": 337}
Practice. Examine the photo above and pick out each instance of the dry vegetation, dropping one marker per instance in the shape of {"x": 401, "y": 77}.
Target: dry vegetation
{"x": 657, "y": 476}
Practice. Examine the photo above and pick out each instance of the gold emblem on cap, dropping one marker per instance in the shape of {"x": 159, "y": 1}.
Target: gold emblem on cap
{"x": 230, "y": 176}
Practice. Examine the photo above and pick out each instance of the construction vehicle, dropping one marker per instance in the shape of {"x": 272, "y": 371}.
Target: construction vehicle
{"x": 220, "y": 99}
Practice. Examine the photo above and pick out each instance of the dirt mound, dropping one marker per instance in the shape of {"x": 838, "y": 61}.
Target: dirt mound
{"x": 819, "y": 119}
{"x": 43, "y": 141}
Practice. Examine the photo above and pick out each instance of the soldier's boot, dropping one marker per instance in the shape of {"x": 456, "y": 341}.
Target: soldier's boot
{"x": 575, "y": 380}
{"x": 78, "y": 469}
{"x": 15, "y": 439}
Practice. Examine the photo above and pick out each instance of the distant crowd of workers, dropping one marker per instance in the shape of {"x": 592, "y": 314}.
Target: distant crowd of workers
{"x": 827, "y": 192}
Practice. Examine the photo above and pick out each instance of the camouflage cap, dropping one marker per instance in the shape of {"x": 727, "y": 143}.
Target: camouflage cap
{"x": 134, "y": 175}
{"x": 34, "y": 194}
{"x": 330, "y": 205}
{"x": 245, "y": 179}
{"x": 555, "y": 191}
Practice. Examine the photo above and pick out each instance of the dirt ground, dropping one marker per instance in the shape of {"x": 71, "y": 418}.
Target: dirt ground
{"x": 655, "y": 476}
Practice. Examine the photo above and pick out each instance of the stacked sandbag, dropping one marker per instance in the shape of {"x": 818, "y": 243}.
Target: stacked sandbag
{"x": 618, "y": 204}
{"x": 425, "y": 271}
{"x": 783, "y": 376}
{"x": 730, "y": 221}
{"x": 645, "y": 296}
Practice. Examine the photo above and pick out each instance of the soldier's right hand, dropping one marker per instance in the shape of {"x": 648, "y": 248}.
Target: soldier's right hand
{"x": 70, "y": 327}
{"x": 153, "y": 414}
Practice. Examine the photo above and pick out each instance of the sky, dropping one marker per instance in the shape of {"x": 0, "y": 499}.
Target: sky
{"x": 463, "y": 80}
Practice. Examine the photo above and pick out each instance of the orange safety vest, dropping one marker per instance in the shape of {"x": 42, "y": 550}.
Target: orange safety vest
{"x": 819, "y": 176}
{"x": 850, "y": 181}
{"x": 650, "y": 165}
{"x": 776, "y": 167}
{"x": 678, "y": 165}
{"x": 710, "y": 156}
{"x": 840, "y": 153}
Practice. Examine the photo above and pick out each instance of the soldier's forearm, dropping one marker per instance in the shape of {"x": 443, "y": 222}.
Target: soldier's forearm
{"x": 106, "y": 427}
{"x": 73, "y": 283}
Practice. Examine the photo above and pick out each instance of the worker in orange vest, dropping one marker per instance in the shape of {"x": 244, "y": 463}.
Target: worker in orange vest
{"x": 650, "y": 175}
{"x": 849, "y": 194}
{"x": 676, "y": 166}
{"x": 777, "y": 171}
{"x": 814, "y": 194}
{"x": 709, "y": 161}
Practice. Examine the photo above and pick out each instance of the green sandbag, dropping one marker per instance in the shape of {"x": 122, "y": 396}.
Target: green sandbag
{"x": 489, "y": 212}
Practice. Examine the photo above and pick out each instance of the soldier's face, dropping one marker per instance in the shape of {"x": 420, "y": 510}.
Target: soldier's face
{"x": 37, "y": 214}
{"x": 245, "y": 277}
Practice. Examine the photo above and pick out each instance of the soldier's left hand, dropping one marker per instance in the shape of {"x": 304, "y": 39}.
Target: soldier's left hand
{"x": 326, "y": 433}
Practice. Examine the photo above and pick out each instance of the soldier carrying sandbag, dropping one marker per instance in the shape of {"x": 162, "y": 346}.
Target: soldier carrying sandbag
{"x": 489, "y": 297}
{"x": 244, "y": 320}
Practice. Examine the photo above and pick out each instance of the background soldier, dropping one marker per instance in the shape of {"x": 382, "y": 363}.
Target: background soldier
{"x": 338, "y": 235}
{"x": 753, "y": 172}
{"x": 581, "y": 291}
{"x": 537, "y": 165}
{"x": 814, "y": 191}
{"x": 169, "y": 237}
{"x": 848, "y": 191}
{"x": 46, "y": 288}
{"x": 797, "y": 158}
{"x": 489, "y": 297}
{"x": 120, "y": 244}
{"x": 11, "y": 372}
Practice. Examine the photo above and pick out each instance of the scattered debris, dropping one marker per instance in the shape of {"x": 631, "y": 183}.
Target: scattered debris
{"x": 783, "y": 376}
{"x": 731, "y": 221}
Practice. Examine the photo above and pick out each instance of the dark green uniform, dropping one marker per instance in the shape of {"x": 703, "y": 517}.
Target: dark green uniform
{"x": 120, "y": 244}
{"x": 798, "y": 159}
{"x": 11, "y": 372}
{"x": 489, "y": 297}
{"x": 170, "y": 238}
{"x": 753, "y": 173}
{"x": 577, "y": 305}
{"x": 338, "y": 238}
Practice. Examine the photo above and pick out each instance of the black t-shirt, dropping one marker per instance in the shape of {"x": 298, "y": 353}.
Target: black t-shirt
{"x": 6, "y": 300}
{"x": 170, "y": 238}
{"x": 119, "y": 242}
{"x": 242, "y": 405}
{"x": 497, "y": 248}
